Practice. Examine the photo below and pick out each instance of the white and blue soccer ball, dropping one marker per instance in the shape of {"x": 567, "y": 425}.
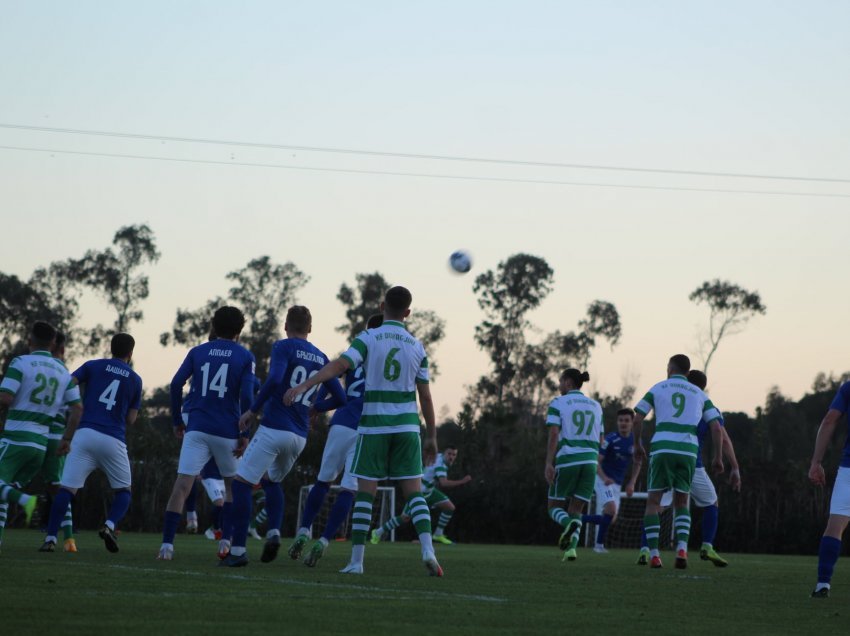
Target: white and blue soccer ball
{"x": 460, "y": 261}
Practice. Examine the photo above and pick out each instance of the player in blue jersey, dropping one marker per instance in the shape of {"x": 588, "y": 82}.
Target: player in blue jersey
{"x": 336, "y": 459}
{"x": 222, "y": 373}
{"x": 839, "y": 506}
{"x": 111, "y": 401}
{"x": 282, "y": 433}
{"x": 615, "y": 454}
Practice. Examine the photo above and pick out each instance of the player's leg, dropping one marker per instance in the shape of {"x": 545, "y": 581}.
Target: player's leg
{"x": 556, "y": 499}
{"x": 704, "y": 496}
{"x": 113, "y": 460}
{"x": 194, "y": 453}
{"x": 683, "y": 475}
{"x": 79, "y": 464}
{"x": 341, "y": 506}
{"x": 830, "y": 543}
{"x": 339, "y": 443}
{"x": 580, "y": 491}
{"x": 221, "y": 450}
{"x": 439, "y": 501}
{"x": 405, "y": 466}
{"x": 393, "y": 523}
{"x": 602, "y": 493}
{"x": 371, "y": 465}
{"x": 258, "y": 457}
{"x": 19, "y": 465}
{"x": 191, "y": 508}
{"x": 216, "y": 492}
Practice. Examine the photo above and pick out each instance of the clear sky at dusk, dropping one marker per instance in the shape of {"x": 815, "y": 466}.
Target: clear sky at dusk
{"x": 725, "y": 87}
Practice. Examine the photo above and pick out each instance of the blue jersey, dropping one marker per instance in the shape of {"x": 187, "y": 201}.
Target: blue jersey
{"x": 616, "y": 452}
{"x": 222, "y": 373}
{"x": 841, "y": 403}
{"x": 349, "y": 414}
{"x": 702, "y": 433}
{"x": 111, "y": 389}
{"x": 293, "y": 360}
{"x": 210, "y": 470}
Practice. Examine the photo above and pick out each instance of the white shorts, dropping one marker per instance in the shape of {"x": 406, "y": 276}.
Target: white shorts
{"x": 91, "y": 449}
{"x": 840, "y": 502}
{"x": 337, "y": 457}
{"x": 199, "y": 447}
{"x": 270, "y": 451}
{"x": 606, "y": 494}
{"x": 214, "y": 488}
{"x": 703, "y": 493}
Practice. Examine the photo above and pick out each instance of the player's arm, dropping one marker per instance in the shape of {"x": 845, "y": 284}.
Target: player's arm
{"x": 337, "y": 398}
{"x": 825, "y": 431}
{"x": 445, "y": 482}
{"x": 551, "y": 447}
{"x": 331, "y": 370}
{"x": 426, "y": 403}
{"x": 274, "y": 380}
{"x": 132, "y": 414}
{"x": 75, "y": 414}
{"x": 9, "y": 388}
{"x": 176, "y": 391}
{"x": 637, "y": 465}
{"x": 729, "y": 453}
{"x": 716, "y": 446}
{"x": 637, "y": 427}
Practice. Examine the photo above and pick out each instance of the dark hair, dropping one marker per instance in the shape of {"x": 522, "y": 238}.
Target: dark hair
{"x": 698, "y": 378}
{"x": 681, "y": 363}
{"x": 227, "y": 322}
{"x": 578, "y": 377}
{"x": 397, "y": 300}
{"x": 628, "y": 412}
{"x": 122, "y": 345}
{"x": 60, "y": 339}
{"x": 375, "y": 321}
{"x": 299, "y": 319}
{"x": 43, "y": 334}
{"x": 450, "y": 447}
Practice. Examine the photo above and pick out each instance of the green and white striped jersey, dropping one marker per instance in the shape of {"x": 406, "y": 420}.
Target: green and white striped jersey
{"x": 431, "y": 474}
{"x": 41, "y": 386}
{"x": 679, "y": 406}
{"x": 580, "y": 420}
{"x": 394, "y": 362}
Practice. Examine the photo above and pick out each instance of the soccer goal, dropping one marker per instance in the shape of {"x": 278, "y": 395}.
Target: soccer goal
{"x": 382, "y": 510}
{"x": 626, "y": 530}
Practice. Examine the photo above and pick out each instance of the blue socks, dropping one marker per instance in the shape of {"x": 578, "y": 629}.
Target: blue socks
{"x": 597, "y": 519}
{"x": 216, "y": 517}
{"x": 226, "y": 517}
{"x": 169, "y": 526}
{"x": 315, "y": 499}
{"x": 603, "y": 528}
{"x": 644, "y": 542}
{"x": 339, "y": 512}
{"x": 119, "y": 508}
{"x": 241, "y": 512}
{"x": 192, "y": 499}
{"x": 709, "y": 523}
{"x": 274, "y": 504}
{"x": 830, "y": 548}
{"x": 57, "y": 511}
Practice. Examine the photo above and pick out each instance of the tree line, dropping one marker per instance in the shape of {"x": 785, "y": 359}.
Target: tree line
{"x": 499, "y": 430}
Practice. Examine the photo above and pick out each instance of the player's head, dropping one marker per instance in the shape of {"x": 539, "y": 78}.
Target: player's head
{"x": 375, "y": 321}
{"x": 42, "y": 336}
{"x": 625, "y": 420}
{"x": 572, "y": 379}
{"x": 698, "y": 378}
{"x": 227, "y": 323}
{"x": 299, "y": 321}
{"x": 122, "y": 346}
{"x": 397, "y": 301}
{"x": 58, "y": 347}
{"x": 679, "y": 364}
{"x": 450, "y": 454}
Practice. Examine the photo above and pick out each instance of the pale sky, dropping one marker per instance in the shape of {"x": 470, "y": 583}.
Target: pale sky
{"x": 731, "y": 87}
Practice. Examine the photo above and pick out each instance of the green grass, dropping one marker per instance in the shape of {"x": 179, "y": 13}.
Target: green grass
{"x": 486, "y": 590}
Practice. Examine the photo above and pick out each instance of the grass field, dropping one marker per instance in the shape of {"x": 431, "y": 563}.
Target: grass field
{"x": 487, "y": 589}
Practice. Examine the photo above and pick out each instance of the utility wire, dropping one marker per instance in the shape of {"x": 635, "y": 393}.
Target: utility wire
{"x": 422, "y": 175}
{"x": 406, "y": 155}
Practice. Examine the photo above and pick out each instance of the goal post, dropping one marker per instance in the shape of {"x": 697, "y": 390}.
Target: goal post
{"x": 382, "y": 510}
{"x": 627, "y": 528}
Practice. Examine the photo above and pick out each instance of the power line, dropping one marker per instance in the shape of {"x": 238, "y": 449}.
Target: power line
{"x": 422, "y": 175}
{"x": 406, "y": 155}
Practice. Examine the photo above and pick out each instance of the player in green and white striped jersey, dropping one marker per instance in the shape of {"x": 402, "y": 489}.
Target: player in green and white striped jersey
{"x": 572, "y": 453}
{"x": 679, "y": 406}
{"x": 388, "y": 444}
{"x": 36, "y": 386}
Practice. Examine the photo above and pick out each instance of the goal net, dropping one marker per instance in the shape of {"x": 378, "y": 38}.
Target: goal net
{"x": 382, "y": 510}
{"x": 627, "y": 529}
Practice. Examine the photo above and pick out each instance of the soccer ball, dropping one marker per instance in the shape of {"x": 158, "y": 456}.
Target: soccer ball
{"x": 460, "y": 261}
